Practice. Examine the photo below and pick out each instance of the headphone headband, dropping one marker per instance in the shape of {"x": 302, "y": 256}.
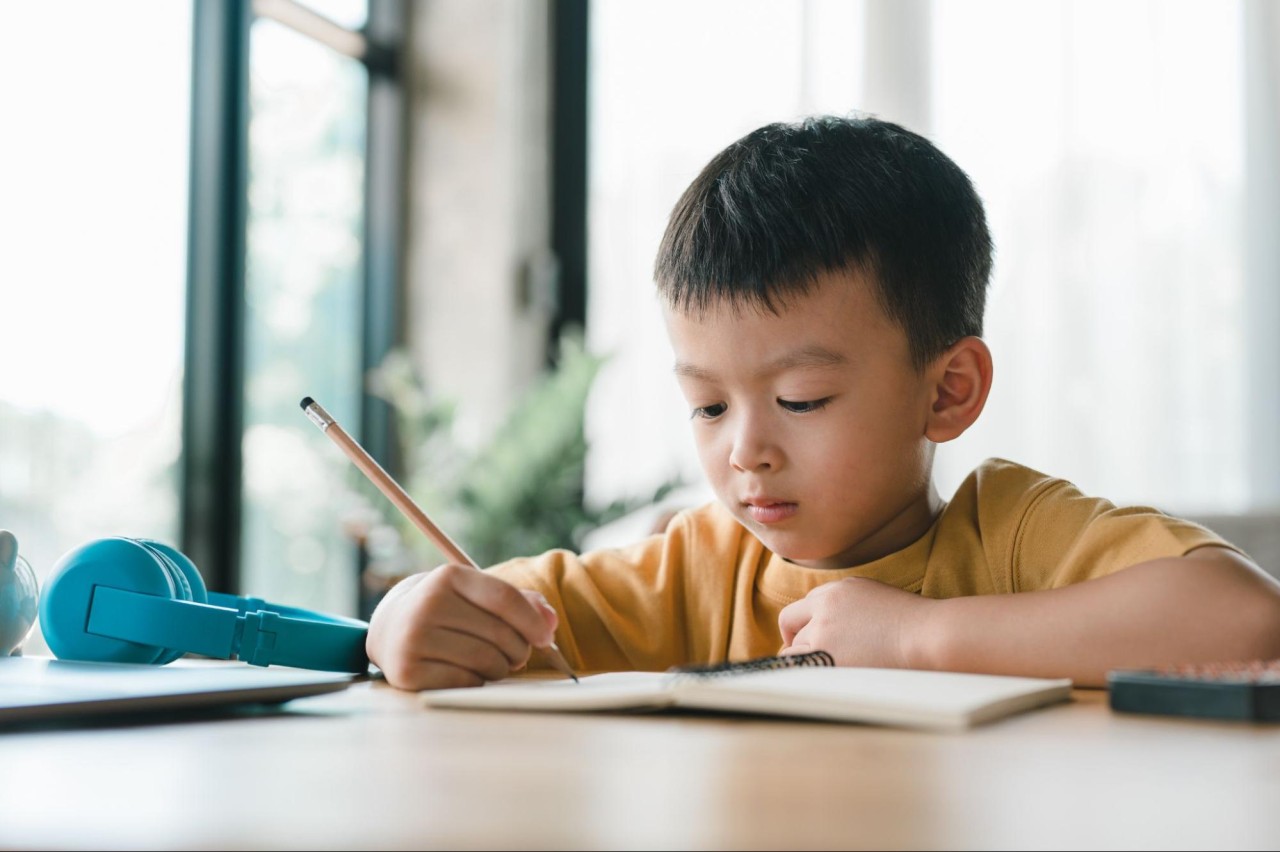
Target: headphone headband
{"x": 245, "y": 605}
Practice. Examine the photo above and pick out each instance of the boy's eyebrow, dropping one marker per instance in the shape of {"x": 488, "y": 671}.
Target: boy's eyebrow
{"x": 811, "y": 355}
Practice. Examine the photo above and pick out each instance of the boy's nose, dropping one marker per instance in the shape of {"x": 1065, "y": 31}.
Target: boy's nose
{"x": 753, "y": 450}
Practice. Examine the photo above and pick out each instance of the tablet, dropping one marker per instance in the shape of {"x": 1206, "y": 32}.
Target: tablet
{"x": 36, "y": 688}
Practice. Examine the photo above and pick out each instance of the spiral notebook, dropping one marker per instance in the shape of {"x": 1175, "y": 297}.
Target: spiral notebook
{"x": 804, "y": 686}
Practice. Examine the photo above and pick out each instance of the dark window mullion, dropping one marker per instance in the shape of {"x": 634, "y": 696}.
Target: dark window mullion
{"x": 383, "y": 225}
{"x": 569, "y": 163}
{"x": 214, "y": 359}
{"x": 383, "y": 213}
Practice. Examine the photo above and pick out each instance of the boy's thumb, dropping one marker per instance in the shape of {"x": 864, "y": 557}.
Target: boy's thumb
{"x": 549, "y": 613}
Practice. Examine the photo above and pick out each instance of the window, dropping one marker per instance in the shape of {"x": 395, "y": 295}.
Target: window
{"x": 92, "y": 271}
{"x": 195, "y": 236}
{"x": 303, "y": 313}
{"x": 295, "y": 283}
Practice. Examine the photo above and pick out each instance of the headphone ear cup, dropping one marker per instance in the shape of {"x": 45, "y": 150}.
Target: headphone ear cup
{"x": 118, "y": 563}
{"x": 182, "y": 571}
{"x": 187, "y": 571}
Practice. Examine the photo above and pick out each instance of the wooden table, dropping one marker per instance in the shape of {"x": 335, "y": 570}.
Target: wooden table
{"x": 370, "y": 768}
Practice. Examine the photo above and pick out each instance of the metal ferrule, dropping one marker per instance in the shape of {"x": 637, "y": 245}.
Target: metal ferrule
{"x": 317, "y": 415}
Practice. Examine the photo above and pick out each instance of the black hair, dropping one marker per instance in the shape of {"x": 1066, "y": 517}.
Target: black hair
{"x": 790, "y": 201}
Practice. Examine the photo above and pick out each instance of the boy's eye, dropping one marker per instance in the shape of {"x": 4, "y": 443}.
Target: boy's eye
{"x": 709, "y": 412}
{"x": 804, "y": 406}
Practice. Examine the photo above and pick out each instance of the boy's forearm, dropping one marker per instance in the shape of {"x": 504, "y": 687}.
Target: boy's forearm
{"x": 1209, "y": 605}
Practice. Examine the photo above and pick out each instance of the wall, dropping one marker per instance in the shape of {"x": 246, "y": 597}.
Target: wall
{"x": 478, "y": 223}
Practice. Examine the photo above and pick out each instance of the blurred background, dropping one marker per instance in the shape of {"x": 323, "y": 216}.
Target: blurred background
{"x": 439, "y": 218}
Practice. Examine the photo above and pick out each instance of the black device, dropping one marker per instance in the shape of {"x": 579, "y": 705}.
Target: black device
{"x": 1246, "y": 690}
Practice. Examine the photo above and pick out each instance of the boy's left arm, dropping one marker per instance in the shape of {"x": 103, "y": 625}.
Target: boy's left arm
{"x": 1209, "y": 605}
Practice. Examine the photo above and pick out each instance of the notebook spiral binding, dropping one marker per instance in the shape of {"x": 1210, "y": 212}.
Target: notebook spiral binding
{"x": 759, "y": 664}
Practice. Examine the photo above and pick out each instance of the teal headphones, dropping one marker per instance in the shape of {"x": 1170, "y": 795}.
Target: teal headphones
{"x": 129, "y": 600}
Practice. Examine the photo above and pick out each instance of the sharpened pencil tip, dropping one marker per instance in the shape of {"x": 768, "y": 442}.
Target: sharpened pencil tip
{"x": 306, "y": 400}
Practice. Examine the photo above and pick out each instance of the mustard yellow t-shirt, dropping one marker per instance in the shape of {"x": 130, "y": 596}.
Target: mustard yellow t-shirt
{"x": 706, "y": 590}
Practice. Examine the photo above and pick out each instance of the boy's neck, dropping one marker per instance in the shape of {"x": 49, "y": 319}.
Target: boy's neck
{"x": 898, "y": 532}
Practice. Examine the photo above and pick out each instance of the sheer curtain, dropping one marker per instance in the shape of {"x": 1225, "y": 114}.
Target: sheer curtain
{"x": 1108, "y": 140}
{"x": 1124, "y": 149}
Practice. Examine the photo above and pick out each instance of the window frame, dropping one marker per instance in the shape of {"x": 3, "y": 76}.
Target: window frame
{"x": 210, "y": 489}
{"x": 570, "y": 34}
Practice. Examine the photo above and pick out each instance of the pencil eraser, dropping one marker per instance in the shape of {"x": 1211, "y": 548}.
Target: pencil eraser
{"x": 306, "y": 400}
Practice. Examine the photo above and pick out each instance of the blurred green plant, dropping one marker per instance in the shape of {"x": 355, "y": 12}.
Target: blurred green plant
{"x": 521, "y": 493}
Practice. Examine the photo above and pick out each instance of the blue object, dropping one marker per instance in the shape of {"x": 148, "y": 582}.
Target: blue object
{"x": 129, "y": 600}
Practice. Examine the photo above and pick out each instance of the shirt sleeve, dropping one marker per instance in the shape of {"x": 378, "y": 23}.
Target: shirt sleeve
{"x": 1066, "y": 537}
{"x": 624, "y": 609}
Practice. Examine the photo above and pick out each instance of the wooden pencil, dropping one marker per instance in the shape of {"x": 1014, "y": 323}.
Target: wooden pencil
{"x": 402, "y": 501}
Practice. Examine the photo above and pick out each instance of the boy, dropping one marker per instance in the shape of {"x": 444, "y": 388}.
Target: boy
{"x": 823, "y": 286}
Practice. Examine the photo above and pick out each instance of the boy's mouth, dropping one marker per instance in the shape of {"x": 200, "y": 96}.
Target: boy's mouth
{"x": 766, "y": 510}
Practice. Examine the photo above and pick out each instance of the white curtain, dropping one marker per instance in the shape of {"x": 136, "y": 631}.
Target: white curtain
{"x": 1109, "y": 142}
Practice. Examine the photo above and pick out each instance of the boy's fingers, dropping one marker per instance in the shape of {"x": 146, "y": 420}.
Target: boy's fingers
{"x": 465, "y": 618}
{"x": 793, "y": 619}
{"x": 421, "y": 674}
{"x": 443, "y": 658}
{"x": 469, "y": 652}
{"x": 503, "y": 600}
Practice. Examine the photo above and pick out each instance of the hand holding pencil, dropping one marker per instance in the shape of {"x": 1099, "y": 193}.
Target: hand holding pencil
{"x": 447, "y": 627}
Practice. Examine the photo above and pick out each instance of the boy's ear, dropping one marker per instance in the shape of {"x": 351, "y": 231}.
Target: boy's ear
{"x": 961, "y": 381}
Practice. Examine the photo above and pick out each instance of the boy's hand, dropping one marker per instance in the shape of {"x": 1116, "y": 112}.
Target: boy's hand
{"x": 456, "y": 626}
{"x": 859, "y": 622}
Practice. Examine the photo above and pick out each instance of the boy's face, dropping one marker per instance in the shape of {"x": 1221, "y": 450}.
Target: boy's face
{"x": 810, "y": 423}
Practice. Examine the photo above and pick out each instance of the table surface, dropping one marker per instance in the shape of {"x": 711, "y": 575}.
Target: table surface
{"x": 370, "y": 767}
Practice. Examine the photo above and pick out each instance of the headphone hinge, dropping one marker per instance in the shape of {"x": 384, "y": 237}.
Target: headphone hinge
{"x": 258, "y": 638}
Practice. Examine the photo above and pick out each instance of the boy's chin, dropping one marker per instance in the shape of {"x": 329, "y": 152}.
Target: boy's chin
{"x": 793, "y": 545}
{"x": 795, "y": 552}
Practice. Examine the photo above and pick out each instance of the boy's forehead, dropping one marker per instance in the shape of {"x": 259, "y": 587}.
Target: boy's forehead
{"x": 839, "y": 319}
{"x": 785, "y": 357}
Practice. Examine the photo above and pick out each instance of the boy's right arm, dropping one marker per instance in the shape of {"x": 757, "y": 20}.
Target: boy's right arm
{"x": 456, "y": 626}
